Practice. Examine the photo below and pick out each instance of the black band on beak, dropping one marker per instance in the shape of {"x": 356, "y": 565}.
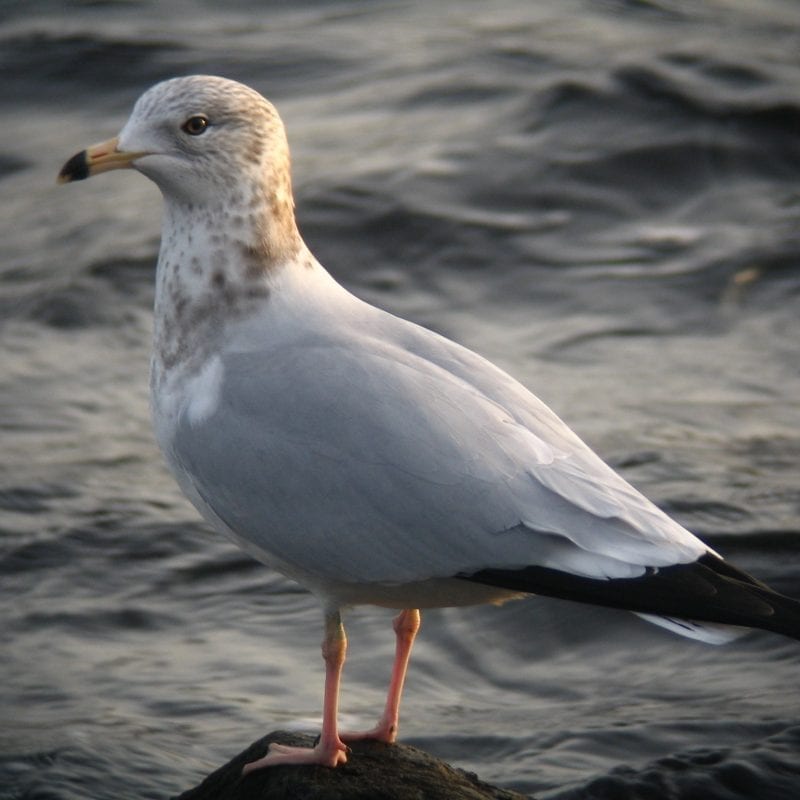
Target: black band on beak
{"x": 76, "y": 169}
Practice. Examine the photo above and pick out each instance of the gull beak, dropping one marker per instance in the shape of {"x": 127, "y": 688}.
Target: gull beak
{"x": 96, "y": 159}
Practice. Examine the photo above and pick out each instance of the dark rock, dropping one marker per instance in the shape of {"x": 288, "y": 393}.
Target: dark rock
{"x": 374, "y": 771}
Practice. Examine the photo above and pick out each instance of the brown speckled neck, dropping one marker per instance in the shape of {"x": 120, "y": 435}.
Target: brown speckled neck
{"x": 229, "y": 226}
{"x": 216, "y": 266}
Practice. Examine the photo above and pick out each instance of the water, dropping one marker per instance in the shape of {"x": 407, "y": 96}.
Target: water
{"x": 599, "y": 196}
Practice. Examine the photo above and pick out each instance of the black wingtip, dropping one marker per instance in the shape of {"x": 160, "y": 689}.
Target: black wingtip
{"x": 76, "y": 169}
{"x": 707, "y": 590}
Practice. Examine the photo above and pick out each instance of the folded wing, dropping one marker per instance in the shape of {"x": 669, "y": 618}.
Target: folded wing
{"x": 405, "y": 457}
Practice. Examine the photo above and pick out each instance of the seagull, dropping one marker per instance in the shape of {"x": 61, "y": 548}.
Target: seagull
{"x": 367, "y": 458}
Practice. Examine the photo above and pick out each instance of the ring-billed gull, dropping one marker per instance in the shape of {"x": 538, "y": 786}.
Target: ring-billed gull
{"x": 368, "y": 458}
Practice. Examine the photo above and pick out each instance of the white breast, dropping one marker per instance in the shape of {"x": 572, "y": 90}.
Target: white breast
{"x": 175, "y": 392}
{"x": 203, "y": 390}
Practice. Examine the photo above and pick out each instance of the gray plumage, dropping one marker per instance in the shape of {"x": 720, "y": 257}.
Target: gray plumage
{"x": 368, "y": 458}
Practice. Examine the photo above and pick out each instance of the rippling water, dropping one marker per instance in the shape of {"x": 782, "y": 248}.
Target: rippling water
{"x": 602, "y": 197}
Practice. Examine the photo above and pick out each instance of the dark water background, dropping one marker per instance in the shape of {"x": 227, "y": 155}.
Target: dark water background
{"x": 601, "y": 196}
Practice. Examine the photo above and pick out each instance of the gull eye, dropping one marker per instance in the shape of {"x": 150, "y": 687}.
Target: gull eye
{"x": 195, "y": 125}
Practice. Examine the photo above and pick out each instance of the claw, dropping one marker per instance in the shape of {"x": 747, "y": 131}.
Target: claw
{"x": 385, "y": 731}
{"x": 328, "y": 755}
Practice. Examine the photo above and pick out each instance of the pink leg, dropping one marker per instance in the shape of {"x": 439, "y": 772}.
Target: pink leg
{"x": 406, "y": 625}
{"x": 329, "y": 750}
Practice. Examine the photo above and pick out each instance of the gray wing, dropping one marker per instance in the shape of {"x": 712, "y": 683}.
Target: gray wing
{"x": 406, "y": 457}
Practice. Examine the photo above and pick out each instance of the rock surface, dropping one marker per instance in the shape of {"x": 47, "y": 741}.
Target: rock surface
{"x": 374, "y": 771}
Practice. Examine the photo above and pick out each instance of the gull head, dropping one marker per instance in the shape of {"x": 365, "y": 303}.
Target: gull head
{"x": 200, "y": 139}
{"x": 217, "y": 150}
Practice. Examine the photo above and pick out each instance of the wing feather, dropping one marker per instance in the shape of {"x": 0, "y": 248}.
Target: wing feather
{"x": 402, "y": 457}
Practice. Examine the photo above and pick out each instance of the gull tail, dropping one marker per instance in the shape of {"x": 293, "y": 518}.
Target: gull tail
{"x": 681, "y": 597}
